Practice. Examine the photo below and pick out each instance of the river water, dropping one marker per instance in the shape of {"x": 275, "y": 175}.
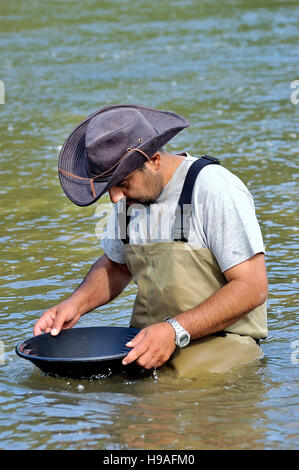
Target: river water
{"x": 226, "y": 66}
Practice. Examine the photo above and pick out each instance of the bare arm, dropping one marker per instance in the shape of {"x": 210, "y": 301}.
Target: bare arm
{"x": 246, "y": 289}
{"x": 104, "y": 281}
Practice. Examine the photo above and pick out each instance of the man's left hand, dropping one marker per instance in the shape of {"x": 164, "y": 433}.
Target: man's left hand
{"x": 152, "y": 346}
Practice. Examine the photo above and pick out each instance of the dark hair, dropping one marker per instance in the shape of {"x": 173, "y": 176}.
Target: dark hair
{"x": 143, "y": 167}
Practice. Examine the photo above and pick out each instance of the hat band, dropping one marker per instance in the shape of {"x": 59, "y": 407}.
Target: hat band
{"x": 106, "y": 173}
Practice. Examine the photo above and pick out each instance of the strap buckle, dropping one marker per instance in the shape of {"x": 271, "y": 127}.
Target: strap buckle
{"x": 211, "y": 159}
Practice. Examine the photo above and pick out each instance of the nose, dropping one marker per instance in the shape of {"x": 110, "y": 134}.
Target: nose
{"x": 116, "y": 194}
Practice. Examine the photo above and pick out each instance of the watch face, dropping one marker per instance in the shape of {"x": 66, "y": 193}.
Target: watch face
{"x": 184, "y": 340}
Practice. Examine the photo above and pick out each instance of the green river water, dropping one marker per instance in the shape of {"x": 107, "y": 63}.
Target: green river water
{"x": 226, "y": 66}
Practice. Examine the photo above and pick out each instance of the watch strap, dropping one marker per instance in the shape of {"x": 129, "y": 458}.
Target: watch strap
{"x": 177, "y": 328}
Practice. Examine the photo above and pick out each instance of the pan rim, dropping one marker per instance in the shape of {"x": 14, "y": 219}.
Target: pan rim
{"x": 76, "y": 360}
{"x": 70, "y": 359}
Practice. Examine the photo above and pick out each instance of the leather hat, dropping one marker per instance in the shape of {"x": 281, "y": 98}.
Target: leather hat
{"x": 109, "y": 145}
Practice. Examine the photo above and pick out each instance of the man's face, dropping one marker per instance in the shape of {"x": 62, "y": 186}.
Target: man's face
{"x": 142, "y": 186}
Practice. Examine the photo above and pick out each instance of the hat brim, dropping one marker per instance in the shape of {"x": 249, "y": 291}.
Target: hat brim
{"x": 72, "y": 157}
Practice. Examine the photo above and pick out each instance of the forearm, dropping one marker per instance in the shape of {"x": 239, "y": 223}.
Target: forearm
{"x": 104, "y": 281}
{"x": 222, "y": 309}
{"x": 246, "y": 289}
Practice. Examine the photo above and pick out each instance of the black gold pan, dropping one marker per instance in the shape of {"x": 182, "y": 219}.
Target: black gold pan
{"x": 80, "y": 352}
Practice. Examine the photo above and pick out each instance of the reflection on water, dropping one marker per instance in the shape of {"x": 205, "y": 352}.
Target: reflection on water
{"x": 164, "y": 413}
{"x": 228, "y": 68}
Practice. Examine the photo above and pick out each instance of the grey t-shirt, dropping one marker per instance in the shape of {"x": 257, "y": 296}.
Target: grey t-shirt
{"x": 223, "y": 217}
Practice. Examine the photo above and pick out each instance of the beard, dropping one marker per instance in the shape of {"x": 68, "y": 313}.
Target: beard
{"x": 151, "y": 190}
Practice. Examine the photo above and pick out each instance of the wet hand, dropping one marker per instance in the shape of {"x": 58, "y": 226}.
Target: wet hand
{"x": 152, "y": 346}
{"x": 62, "y": 316}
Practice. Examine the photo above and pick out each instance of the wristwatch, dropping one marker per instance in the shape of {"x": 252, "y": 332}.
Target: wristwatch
{"x": 182, "y": 337}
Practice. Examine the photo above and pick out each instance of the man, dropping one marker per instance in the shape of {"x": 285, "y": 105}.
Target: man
{"x": 200, "y": 273}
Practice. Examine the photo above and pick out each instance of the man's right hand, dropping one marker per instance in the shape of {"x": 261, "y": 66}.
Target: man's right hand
{"x": 62, "y": 316}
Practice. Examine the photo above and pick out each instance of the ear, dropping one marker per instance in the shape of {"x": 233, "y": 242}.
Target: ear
{"x": 155, "y": 161}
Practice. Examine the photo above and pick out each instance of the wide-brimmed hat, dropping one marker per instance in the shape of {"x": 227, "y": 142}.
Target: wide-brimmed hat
{"x": 109, "y": 145}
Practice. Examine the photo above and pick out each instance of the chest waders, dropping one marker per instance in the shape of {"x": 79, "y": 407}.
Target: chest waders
{"x": 173, "y": 277}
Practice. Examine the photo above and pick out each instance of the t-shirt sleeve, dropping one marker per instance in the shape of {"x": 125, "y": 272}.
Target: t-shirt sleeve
{"x": 230, "y": 225}
{"x": 113, "y": 246}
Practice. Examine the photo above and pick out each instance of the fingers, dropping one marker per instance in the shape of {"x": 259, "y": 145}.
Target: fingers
{"x": 149, "y": 360}
{"x": 57, "y": 324}
{"x": 152, "y": 347}
{"x": 60, "y": 323}
{"x": 138, "y": 348}
{"x": 38, "y": 329}
{"x": 44, "y": 323}
{"x": 133, "y": 342}
{"x": 60, "y": 317}
{"x": 146, "y": 358}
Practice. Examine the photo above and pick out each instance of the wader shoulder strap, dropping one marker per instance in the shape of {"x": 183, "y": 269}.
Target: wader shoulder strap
{"x": 182, "y": 213}
{"x": 184, "y": 205}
